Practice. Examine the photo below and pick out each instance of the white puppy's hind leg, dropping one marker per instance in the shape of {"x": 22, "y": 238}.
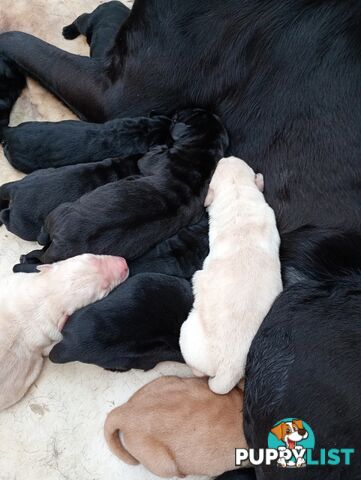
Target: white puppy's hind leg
{"x": 193, "y": 345}
{"x": 224, "y": 380}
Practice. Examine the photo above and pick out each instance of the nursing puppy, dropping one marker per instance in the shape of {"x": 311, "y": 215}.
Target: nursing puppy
{"x": 34, "y": 309}
{"x": 240, "y": 279}
{"x": 136, "y": 326}
{"x": 34, "y": 145}
{"x": 100, "y": 27}
{"x": 25, "y": 204}
{"x": 129, "y": 217}
{"x": 181, "y": 255}
{"x": 177, "y": 427}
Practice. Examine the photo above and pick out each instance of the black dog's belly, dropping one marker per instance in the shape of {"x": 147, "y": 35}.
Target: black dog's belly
{"x": 136, "y": 326}
{"x": 240, "y": 474}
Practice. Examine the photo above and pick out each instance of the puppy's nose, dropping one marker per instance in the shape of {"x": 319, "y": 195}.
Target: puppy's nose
{"x": 302, "y": 432}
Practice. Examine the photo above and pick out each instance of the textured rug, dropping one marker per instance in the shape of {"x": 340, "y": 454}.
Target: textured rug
{"x": 55, "y": 432}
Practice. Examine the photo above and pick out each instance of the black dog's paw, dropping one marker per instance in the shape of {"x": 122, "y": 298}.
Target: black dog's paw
{"x": 12, "y": 83}
{"x": 70, "y": 32}
{"x": 26, "y": 268}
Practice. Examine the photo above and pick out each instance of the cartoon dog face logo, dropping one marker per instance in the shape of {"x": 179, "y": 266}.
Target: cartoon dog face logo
{"x": 290, "y": 433}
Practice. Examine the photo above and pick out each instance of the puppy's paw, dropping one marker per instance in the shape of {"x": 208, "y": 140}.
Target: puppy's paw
{"x": 70, "y": 32}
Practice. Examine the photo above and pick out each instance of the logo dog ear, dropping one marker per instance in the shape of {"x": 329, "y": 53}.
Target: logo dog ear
{"x": 299, "y": 424}
{"x": 278, "y": 431}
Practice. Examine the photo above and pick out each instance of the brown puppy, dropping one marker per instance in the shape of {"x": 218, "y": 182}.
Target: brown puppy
{"x": 178, "y": 427}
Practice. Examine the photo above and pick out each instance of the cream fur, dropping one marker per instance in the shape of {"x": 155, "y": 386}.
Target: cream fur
{"x": 34, "y": 308}
{"x": 240, "y": 280}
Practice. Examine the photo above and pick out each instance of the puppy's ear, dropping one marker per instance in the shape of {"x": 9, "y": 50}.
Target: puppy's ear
{"x": 259, "y": 179}
{"x": 179, "y": 131}
{"x": 278, "y": 431}
{"x": 209, "y": 198}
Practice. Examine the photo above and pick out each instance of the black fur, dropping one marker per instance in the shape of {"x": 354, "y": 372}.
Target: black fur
{"x": 136, "y": 326}
{"x": 130, "y": 216}
{"x": 304, "y": 361}
{"x": 241, "y": 474}
{"x": 320, "y": 254}
{"x": 34, "y": 145}
{"x": 25, "y": 204}
{"x": 274, "y": 71}
{"x": 100, "y": 27}
{"x": 180, "y": 256}
{"x": 12, "y": 83}
{"x": 284, "y": 77}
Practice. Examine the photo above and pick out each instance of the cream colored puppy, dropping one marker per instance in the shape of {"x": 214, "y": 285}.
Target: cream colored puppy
{"x": 240, "y": 280}
{"x": 34, "y": 308}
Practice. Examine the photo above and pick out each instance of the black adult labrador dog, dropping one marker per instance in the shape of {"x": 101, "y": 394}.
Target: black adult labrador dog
{"x": 284, "y": 77}
{"x": 305, "y": 360}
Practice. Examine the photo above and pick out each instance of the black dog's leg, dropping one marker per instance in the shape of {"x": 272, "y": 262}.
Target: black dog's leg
{"x": 100, "y": 27}
{"x": 78, "y": 81}
{"x": 35, "y": 145}
{"x": 12, "y": 83}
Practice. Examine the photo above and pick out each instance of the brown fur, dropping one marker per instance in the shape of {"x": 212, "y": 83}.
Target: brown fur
{"x": 178, "y": 427}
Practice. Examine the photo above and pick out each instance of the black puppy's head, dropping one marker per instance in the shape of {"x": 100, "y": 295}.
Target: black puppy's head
{"x": 198, "y": 128}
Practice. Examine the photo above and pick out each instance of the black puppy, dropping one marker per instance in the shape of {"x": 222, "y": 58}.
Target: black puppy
{"x": 136, "y": 326}
{"x": 25, "y": 204}
{"x": 34, "y": 145}
{"x": 180, "y": 256}
{"x": 129, "y": 217}
{"x": 100, "y": 27}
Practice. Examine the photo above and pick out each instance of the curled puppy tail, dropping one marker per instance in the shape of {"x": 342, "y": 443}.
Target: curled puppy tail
{"x": 224, "y": 381}
{"x": 78, "y": 27}
{"x": 112, "y": 429}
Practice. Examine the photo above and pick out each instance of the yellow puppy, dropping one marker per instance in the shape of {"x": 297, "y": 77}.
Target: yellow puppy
{"x": 178, "y": 427}
{"x": 240, "y": 280}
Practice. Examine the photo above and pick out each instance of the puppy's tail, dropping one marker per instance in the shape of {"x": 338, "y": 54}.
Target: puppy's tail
{"x": 224, "y": 381}
{"x": 112, "y": 430}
